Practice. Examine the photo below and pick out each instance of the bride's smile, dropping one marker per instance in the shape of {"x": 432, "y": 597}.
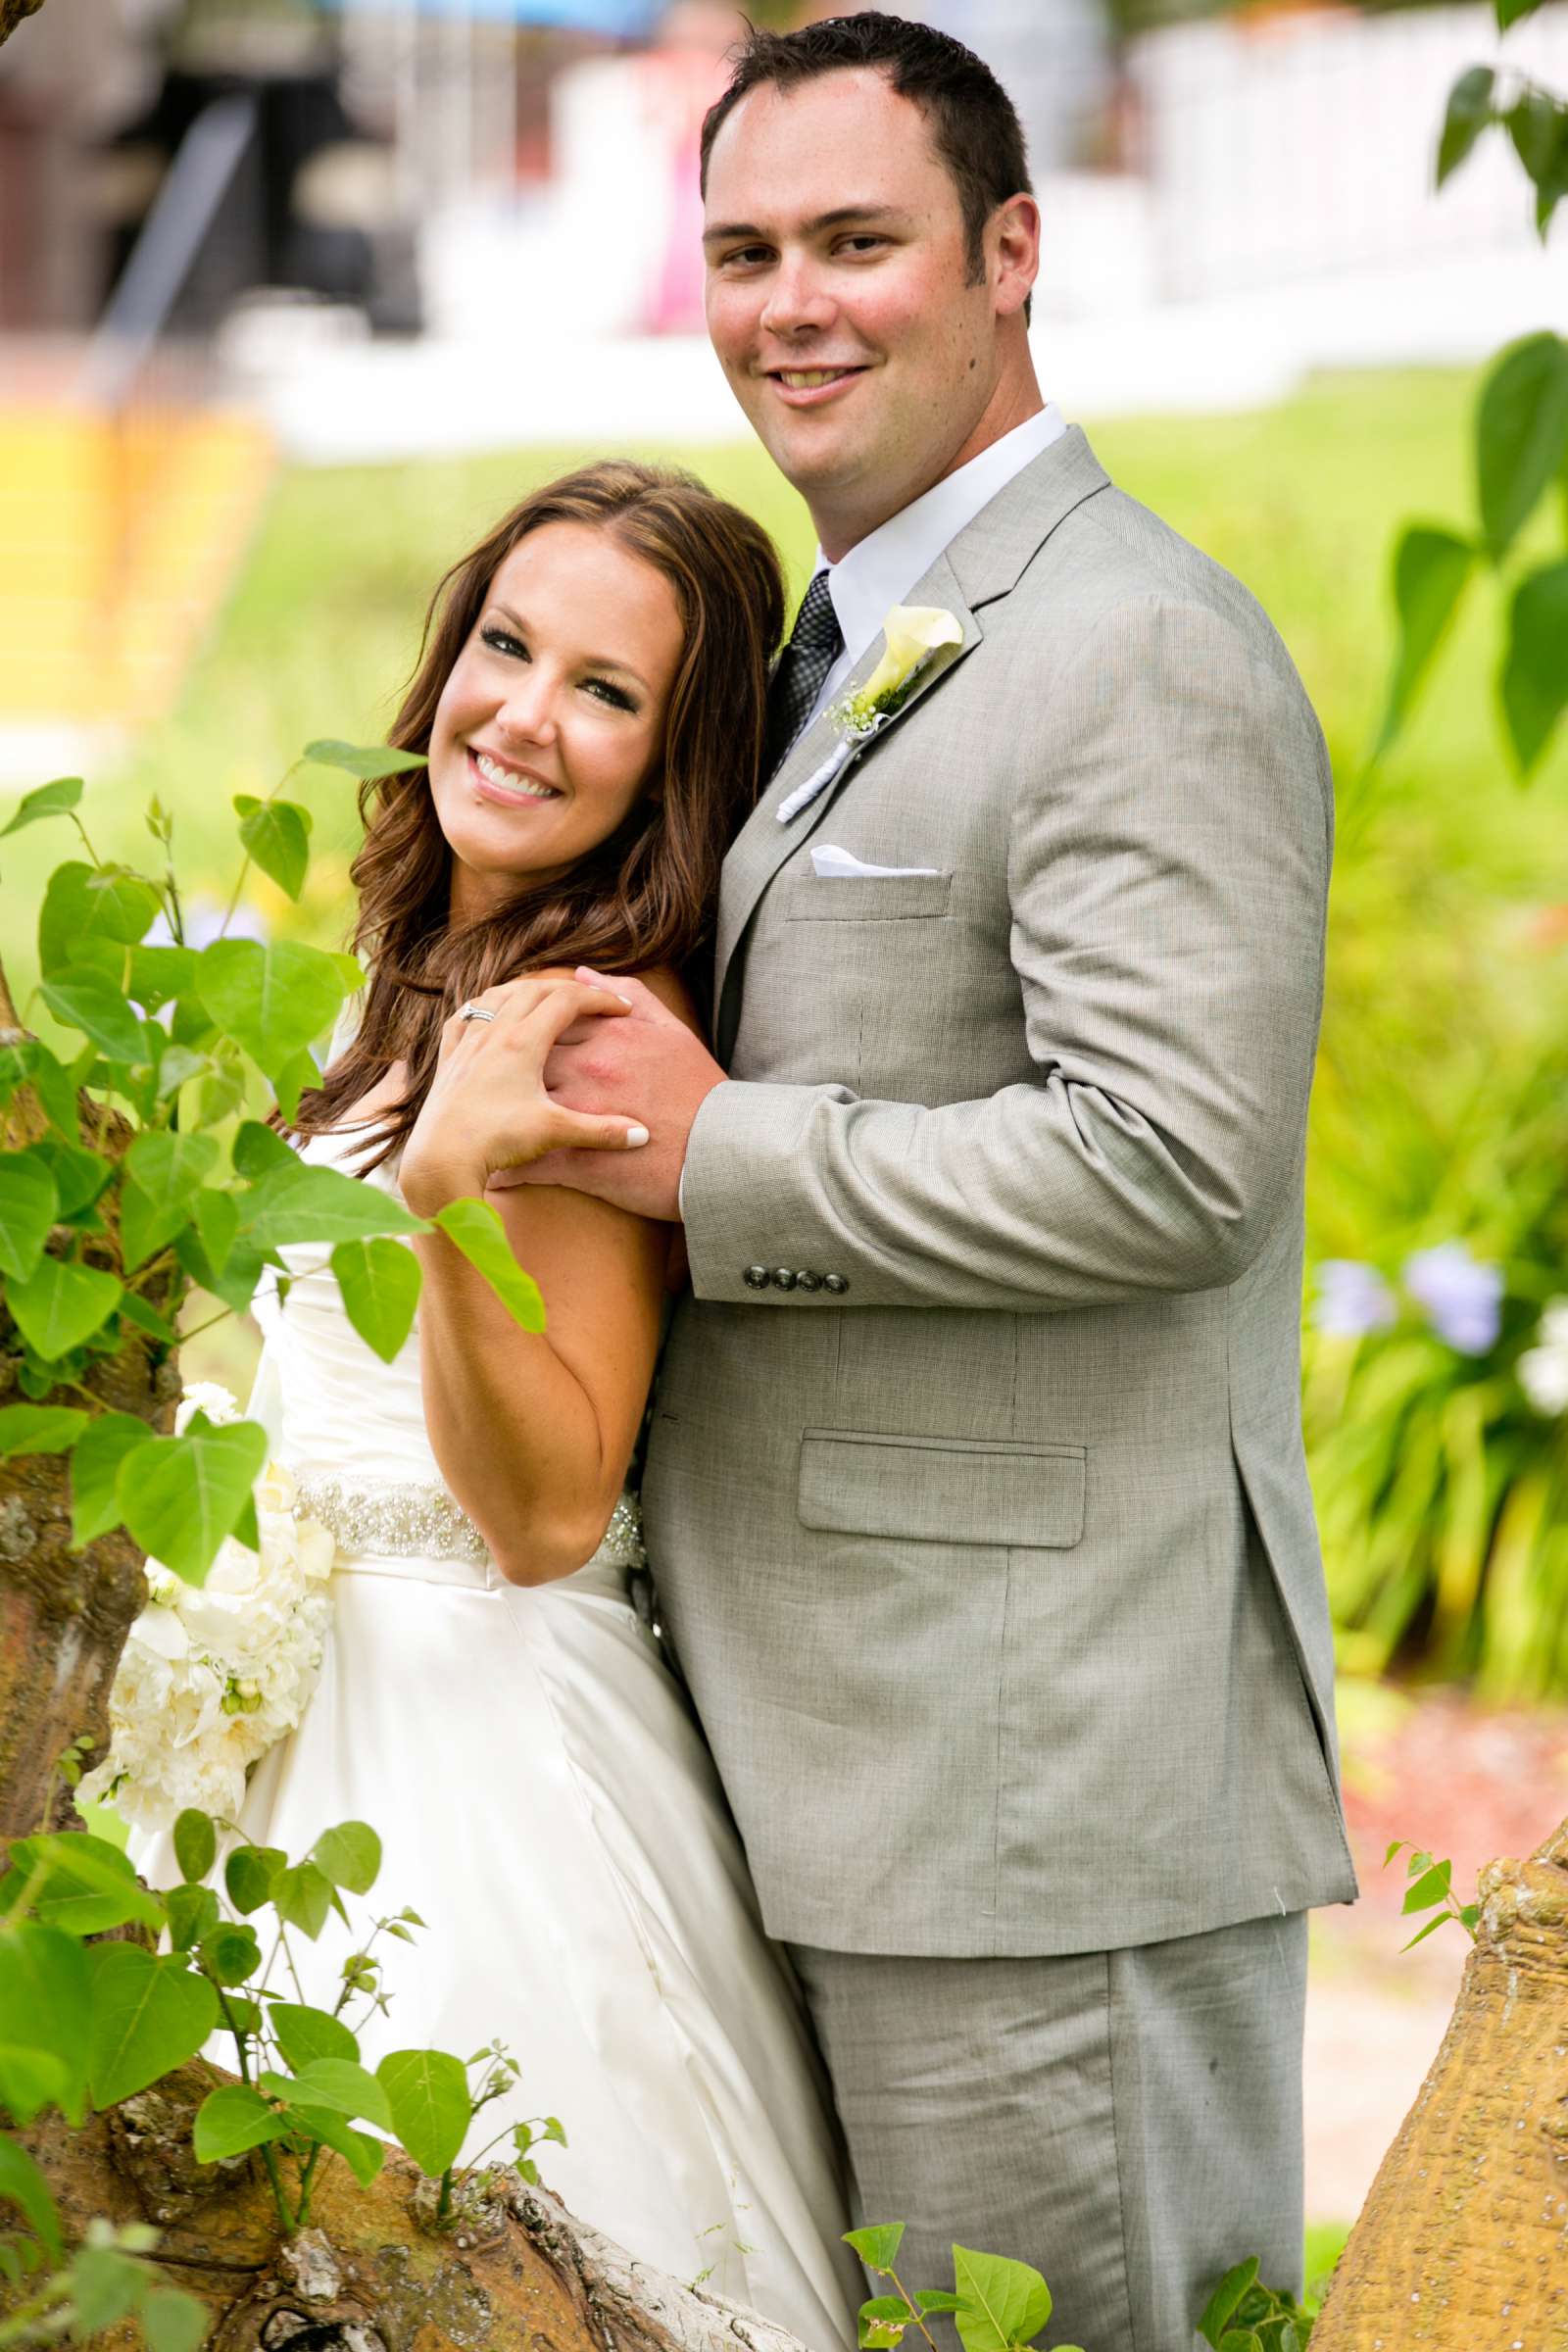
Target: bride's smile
{"x": 545, "y": 738}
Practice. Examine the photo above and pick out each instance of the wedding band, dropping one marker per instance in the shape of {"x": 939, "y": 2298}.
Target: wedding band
{"x": 474, "y": 1012}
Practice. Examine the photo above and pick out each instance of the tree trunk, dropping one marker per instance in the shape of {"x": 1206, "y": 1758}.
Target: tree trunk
{"x": 512, "y": 2270}
{"x": 64, "y": 1615}
{"x": 1462, "y": 2245}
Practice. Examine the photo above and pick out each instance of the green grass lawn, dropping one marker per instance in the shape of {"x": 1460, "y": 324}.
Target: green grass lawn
{"x": 1300, "y": 501}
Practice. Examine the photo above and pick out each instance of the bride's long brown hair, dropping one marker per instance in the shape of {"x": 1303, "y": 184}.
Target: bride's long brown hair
{"x": 645, "y": 896}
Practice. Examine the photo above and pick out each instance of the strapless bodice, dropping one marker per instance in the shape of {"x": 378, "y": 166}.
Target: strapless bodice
{"x": 352, "y": 1430}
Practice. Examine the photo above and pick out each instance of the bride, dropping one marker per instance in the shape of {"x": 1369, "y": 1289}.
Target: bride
{"x": 590, "y": 698}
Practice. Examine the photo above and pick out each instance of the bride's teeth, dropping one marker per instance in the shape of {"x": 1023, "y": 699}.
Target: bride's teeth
{"x": 493, "y": 774}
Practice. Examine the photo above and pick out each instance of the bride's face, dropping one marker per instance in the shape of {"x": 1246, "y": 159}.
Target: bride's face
{"x": 550, "y": 726}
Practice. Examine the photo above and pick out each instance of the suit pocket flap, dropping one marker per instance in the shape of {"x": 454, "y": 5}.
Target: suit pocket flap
{"x": 864, "y": 898}
{"x": 942, "y": 1490}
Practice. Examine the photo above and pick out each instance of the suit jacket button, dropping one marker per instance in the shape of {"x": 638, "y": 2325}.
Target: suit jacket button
{"x": 807, "y": 1281}
{"x": 783, "y": 1279}
{"x": 836, "y": 1283}
{"x": 755, "y": 1278}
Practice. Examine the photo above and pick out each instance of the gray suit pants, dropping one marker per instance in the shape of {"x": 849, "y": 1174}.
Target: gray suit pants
{"x": 1128, "y": 2121}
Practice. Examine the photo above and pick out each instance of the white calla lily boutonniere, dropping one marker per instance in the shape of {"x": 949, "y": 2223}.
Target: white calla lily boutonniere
{"x": 914, "y": 634}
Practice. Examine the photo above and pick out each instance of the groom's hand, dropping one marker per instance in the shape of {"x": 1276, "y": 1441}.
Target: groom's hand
{"x": 654, "y": 1068}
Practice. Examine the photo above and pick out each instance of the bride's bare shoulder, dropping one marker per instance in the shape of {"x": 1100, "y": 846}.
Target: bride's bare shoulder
{"x": 661, "y": 981}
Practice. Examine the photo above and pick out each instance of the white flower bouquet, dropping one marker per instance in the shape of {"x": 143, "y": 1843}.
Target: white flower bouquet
{"x": 212, "y": 1676}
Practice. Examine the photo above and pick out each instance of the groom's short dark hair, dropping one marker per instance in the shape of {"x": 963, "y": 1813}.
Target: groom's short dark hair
{"x": 974, "y": 123}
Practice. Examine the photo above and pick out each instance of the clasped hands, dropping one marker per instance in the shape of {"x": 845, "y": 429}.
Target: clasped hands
{"x": 558, "y": 1088}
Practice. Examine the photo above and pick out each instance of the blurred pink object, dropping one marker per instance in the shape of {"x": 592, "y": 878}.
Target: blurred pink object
{"x": 682, "y": 76}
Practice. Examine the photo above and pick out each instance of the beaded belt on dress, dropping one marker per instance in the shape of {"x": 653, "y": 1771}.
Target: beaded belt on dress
{"x": 422, "y": 1521}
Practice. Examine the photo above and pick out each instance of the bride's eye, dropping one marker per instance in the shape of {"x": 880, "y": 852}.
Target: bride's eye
{"x": 501, "y": 641}
{"x": 616, "y": 695}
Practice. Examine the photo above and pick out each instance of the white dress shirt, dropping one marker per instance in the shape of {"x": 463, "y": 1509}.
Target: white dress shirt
{"x": 881, "y": 569}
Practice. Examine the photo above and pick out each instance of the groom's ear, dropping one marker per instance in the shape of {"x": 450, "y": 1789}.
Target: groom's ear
{"x": 1015, "y": 234}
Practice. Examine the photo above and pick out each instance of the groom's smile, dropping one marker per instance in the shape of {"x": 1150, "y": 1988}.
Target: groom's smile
{"x": 857, "y": 329}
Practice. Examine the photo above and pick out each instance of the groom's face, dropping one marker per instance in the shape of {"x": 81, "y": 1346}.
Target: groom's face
{"x": 839, "y": 299}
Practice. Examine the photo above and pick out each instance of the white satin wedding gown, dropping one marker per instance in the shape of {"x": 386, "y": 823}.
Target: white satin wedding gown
{"x": 548, "y": 1807}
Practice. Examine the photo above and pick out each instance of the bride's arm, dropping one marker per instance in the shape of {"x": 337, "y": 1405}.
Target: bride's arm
{"x": 533, "y": 1432}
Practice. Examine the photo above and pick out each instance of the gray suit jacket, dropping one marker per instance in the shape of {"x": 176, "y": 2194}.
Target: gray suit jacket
{"x": 991, "y": 1562}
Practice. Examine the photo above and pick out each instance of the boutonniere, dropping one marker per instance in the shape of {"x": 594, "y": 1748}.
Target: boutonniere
{"x": 913, "y": 633}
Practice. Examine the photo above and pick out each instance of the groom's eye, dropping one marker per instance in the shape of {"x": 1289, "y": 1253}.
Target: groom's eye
{"x": 745, "y": 256}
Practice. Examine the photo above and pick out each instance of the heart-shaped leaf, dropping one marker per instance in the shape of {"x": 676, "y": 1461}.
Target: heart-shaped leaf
{"x": 366, "y": 760}
{"x": 301, "y": 1896}
{"x": 272, "y": 1000}
{"x": 195, "y": 1843}
{"x": 474, "y": 1227}
{"x": 46, "y": 2004}
{"x": 277, "y": 835}
{"x": 1521, "y": 434}
{"x": 1226, "y": 2299}
{"x": 306, "y": 2033}
{"x": 337, "y": 2084}
{"x": 181, "y": 1496}
{"x": 299, "y": 1203}
{"x": 362, "y": 2155}
{"x": 87, "y": 1002}
{"x": 877, "y": 2244}
{"x": 233, "y": 2119}
{"x": 28, "y": 1207}
{"x": 432, "y": 2110}
{"x": 1534, "y": 673}
{"x": 95, "y": 1468}
{"x": 149, "y": 2015}
{"x": 1007, "y": 2303}
{"x": 84, "y": 906}
{"x": 379, "y": 1282}
{"x": 49, "y": 800}
{"x": 61, "y": 1304}
{"x": 39, "y": 1428}
{"x": 350, "y": 1855}
{"x": 1469, "y": 111}
{"x": 230, "y": 1953}
{"x": 21, "y": 2180}
{"x": 248, "y": 1874}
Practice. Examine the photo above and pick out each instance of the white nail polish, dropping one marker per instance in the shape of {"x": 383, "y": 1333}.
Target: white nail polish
{"x": 636, "y": 1136}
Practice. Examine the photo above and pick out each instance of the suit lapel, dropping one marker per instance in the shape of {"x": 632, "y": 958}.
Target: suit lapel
{"x": 984, "y": 561}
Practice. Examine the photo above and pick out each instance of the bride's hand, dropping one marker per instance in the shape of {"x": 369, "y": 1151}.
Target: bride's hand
{"x": 487, "y": 1107}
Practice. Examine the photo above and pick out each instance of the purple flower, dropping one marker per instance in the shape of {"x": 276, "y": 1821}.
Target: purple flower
{"x": 1463, "y": 1297}
{"x": 1351, "y": 1298}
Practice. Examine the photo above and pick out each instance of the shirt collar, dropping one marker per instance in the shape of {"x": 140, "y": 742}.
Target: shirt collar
{"x": 880, "y": 569}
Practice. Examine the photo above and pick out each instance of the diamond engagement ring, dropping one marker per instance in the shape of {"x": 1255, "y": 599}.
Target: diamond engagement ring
{"x": 474, "y": 1012}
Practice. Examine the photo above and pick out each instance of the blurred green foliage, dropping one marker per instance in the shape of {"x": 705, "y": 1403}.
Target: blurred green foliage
{"x": 1440, "y": 1111}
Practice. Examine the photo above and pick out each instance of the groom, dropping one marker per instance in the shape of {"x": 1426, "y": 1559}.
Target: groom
{"x": 975, "y": 1486}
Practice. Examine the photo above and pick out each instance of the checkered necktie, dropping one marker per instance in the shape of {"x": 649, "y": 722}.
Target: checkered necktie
{"x": 815, "y": 643}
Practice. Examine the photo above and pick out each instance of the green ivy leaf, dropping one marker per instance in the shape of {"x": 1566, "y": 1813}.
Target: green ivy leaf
{"x": 1226, "y": 2299}
{"x": 39, "y": 1428}
{"x": 149, "y": 2015}
{"x": 301, "y": 1896}
{"x": 61, "y": 1304}
{"x": 350, "y": 1855}
{"x": 192, "y": 1914}
{"x": 937, "y": 2298}
{"x": 94, "y": 1470}
{"x": 195, "y": 1843}
{"x": 79, "y": 1176}
{"x": 49, "y": 800}
{"x": 164, "y": 1172}
{"x": 249, "y": 1873}
{"x": 300, "y": 1204}
{"x": 231, "y": 2119}
{"x": 230, "y": 1953}
{"x": 28, "y": 1207}
{"x": 293, "y": 1078}
{"x": 1430, "y": 569}
{"x": 1007, "y": 2302}
{"x": 363, "y": 2155}
{"x": 24, "y": 2185}
{"x": 379, "y": 1282}
{"x": 1535, "y": 670}
{"x": 89, "y": 1884}
{"x": 45, "y": 2004}
{"x": 474, "y": 1227}
{"x": 181, "y": 1496}
{"x": 336, "y": 2083}
{"x": 1521, "y": 435}
{"x": 272, "y": 1000}
{"x": 159, "y": 974}
{"x": 365, "y": 760}
{"x": 1432, "y": 1886}
{"x": 87, "y": 1002}
{"x": 135, "y": 1311}
{"x": 877, "y": 2244}
{"x": 258, "y": 1150}
{"x": 172, "y": 2321}
{"x": 1469, "y": 111}
{"x": 1510, "y": 12}
{"x": 427, "y": 2092}
{"x": 84, "y": 905}
{"x": 306, "y": 2033}
{"x": 277, "y": 835}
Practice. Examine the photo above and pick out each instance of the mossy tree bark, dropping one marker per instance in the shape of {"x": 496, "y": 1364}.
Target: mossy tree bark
{"x": 1462, "y": 2245}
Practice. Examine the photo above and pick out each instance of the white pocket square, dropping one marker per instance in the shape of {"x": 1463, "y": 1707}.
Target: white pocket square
{"x": 834, "y": 864}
